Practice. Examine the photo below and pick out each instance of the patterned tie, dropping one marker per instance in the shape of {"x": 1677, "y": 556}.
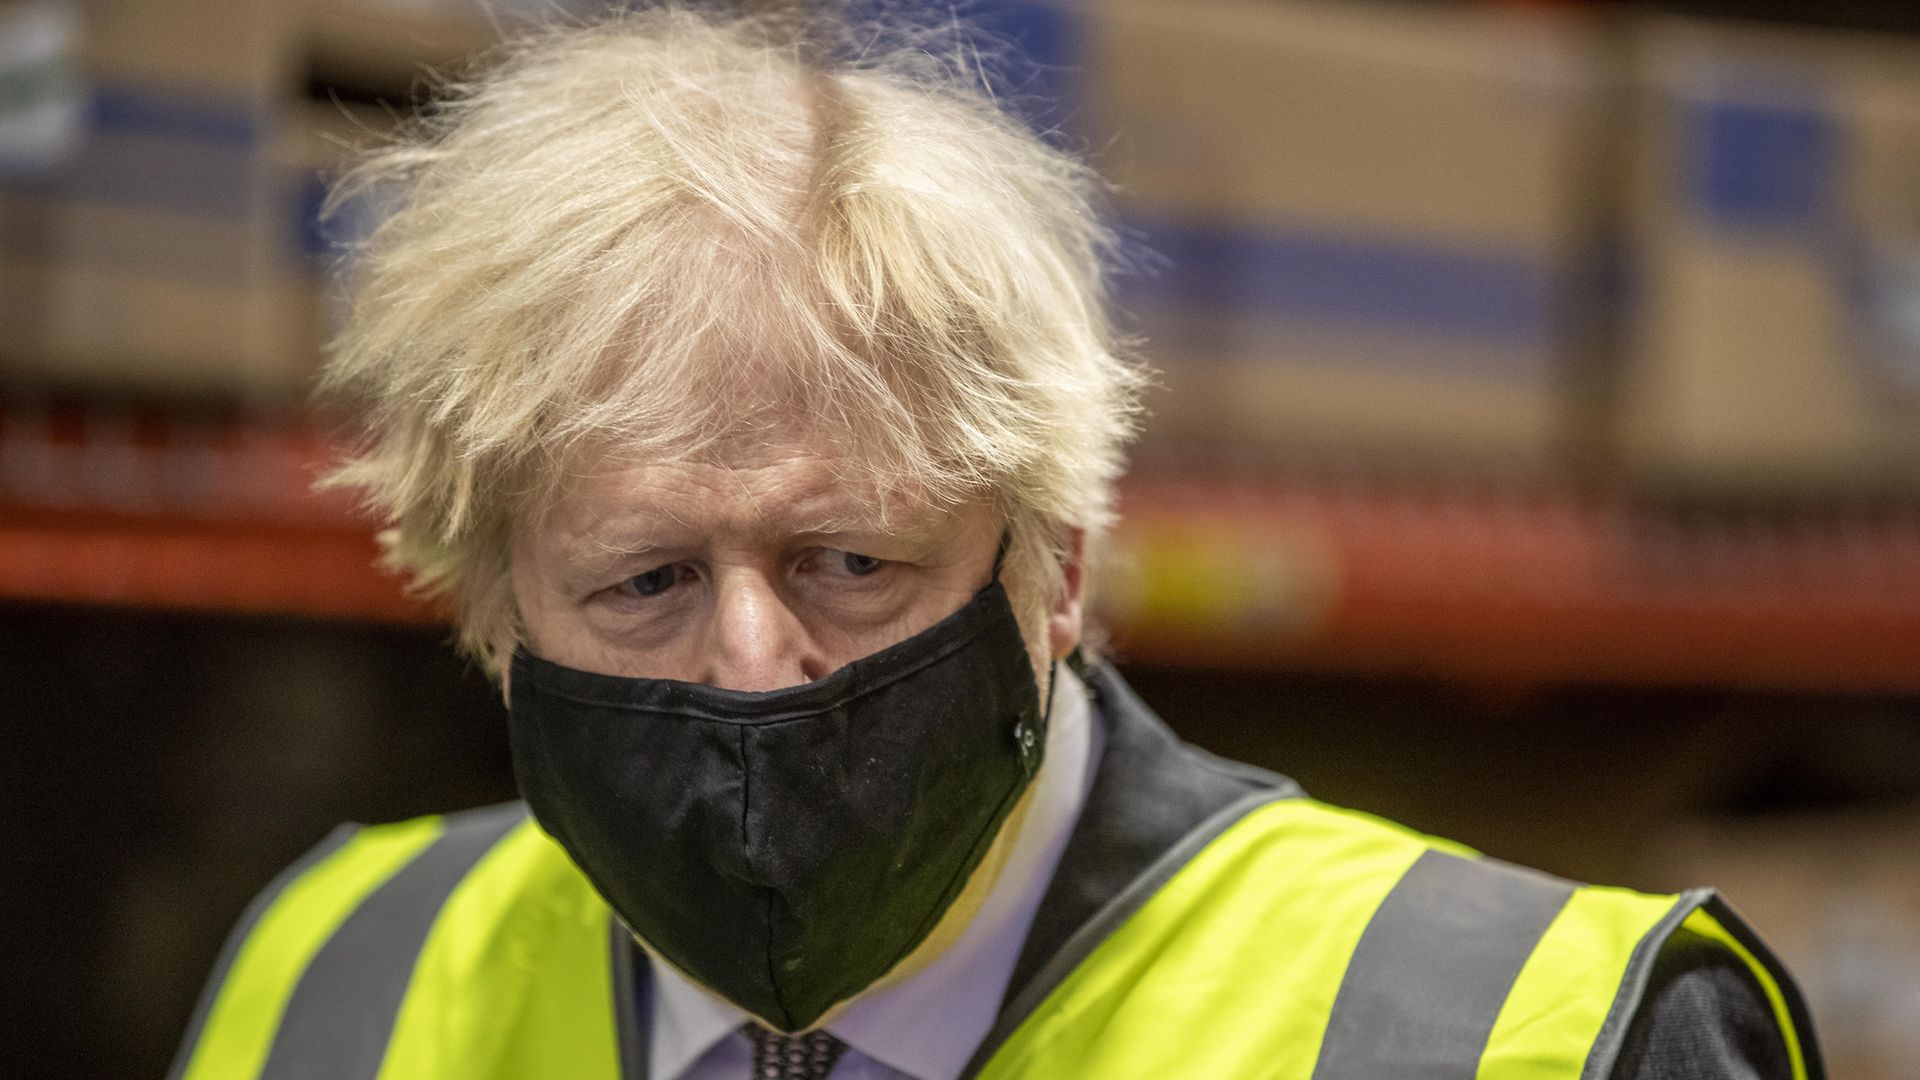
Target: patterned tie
{"x": 792, "y": 1057}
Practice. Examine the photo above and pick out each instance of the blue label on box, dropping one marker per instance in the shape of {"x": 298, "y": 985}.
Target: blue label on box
{"x": 123, "y": 110}
{"x": 1349, "y": 279}
{"x": 1761, "y": 166}
{"x": 147, "y": 148}
{"x": 1246, "y": 273}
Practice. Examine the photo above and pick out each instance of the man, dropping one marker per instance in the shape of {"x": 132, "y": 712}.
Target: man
{"x": 756, "y": 406}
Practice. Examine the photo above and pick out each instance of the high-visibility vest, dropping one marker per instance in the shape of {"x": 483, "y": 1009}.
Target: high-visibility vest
{"x": 1290, "y": 940}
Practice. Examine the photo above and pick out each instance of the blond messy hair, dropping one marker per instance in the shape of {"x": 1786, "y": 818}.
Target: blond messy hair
{"x": 670, "y": 228}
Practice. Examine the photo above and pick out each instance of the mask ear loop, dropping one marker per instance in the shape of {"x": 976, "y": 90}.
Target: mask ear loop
{"x": 1031, "y": 754}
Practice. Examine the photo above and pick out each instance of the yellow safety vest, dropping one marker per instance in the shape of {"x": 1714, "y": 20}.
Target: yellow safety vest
{"x": 1290, "y": 940}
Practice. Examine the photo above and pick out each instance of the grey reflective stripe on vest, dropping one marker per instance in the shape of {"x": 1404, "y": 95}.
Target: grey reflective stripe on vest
{"x": 1433, "y": 969}
{"x": 242, "y": 930}
{"x": 341, "y": 1013}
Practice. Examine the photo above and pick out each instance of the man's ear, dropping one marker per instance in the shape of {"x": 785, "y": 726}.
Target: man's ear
{"x": 1065, "y": 619}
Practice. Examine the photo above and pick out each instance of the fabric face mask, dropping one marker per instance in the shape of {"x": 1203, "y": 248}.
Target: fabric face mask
{"x": 787, "y": 848}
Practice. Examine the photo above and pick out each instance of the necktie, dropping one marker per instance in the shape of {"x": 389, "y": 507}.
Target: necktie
{"x": 792, "y": 1057}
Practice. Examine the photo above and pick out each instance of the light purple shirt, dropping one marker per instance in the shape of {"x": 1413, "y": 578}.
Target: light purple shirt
{"x": 926, "y": 1026}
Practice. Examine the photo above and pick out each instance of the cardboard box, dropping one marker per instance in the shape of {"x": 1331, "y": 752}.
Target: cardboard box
{"x": 1773, "y": 342}
{"x": 169, "y": 247}
{"x": 1376, "y": 222}
{"x": 153, "y": 261}
{"x": 194, "y": 48}
{"x": 1837, "y": 897}
{"x": 320, "y": 143}
{"x": 123, "y": 325}
{"x": 149, "y": 255}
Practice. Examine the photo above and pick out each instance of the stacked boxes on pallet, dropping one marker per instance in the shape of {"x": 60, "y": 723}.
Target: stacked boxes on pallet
{"x": 160, "y": 243}
{"x": 1773, "y": 341}
{"x": 1374, "y": 230}
{"x": 144, "y": 253}
{"x": 1376, "y": 223}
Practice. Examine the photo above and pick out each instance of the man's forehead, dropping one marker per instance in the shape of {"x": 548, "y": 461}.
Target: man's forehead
{"x": 764, "y": 493}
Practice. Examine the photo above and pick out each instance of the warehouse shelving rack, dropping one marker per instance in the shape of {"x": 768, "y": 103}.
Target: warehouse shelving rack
{"x": 1244, "y": 568}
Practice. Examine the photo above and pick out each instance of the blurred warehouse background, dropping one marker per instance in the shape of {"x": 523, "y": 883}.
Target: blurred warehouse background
{"x": 1536, "y": 461}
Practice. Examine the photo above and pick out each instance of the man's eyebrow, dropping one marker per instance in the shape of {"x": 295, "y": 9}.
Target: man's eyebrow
{"x": 864, "y": 525}
{"x": 611, "y": 544}
{"x": 932, "y": 527}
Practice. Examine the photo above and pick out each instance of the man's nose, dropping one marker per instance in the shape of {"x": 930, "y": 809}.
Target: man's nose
{"x": 754, "y": 639}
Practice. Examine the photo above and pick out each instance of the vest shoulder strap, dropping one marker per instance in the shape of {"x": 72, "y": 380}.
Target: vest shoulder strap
{"x": 1315, "y": 943}
{"x": 458, "y": 946}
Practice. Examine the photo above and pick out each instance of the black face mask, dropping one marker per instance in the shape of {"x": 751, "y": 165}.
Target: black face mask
{"x": 786, "y": 849}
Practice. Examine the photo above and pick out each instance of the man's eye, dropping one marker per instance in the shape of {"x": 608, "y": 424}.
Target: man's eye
{"x": 655, "y": 581}
{"x": 860, "y": 565}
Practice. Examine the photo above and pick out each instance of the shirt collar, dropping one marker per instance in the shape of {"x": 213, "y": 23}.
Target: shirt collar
{"x": 687, "y": 1021}
{"x": 928, "y": 1024}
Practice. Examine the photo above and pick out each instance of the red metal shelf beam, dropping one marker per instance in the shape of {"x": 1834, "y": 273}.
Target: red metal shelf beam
{"x": 1501, "y": 586}
{"x": 1515, "y": 587}
{"x": 142, "y": 508}
{"x": 183, "y": 564}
